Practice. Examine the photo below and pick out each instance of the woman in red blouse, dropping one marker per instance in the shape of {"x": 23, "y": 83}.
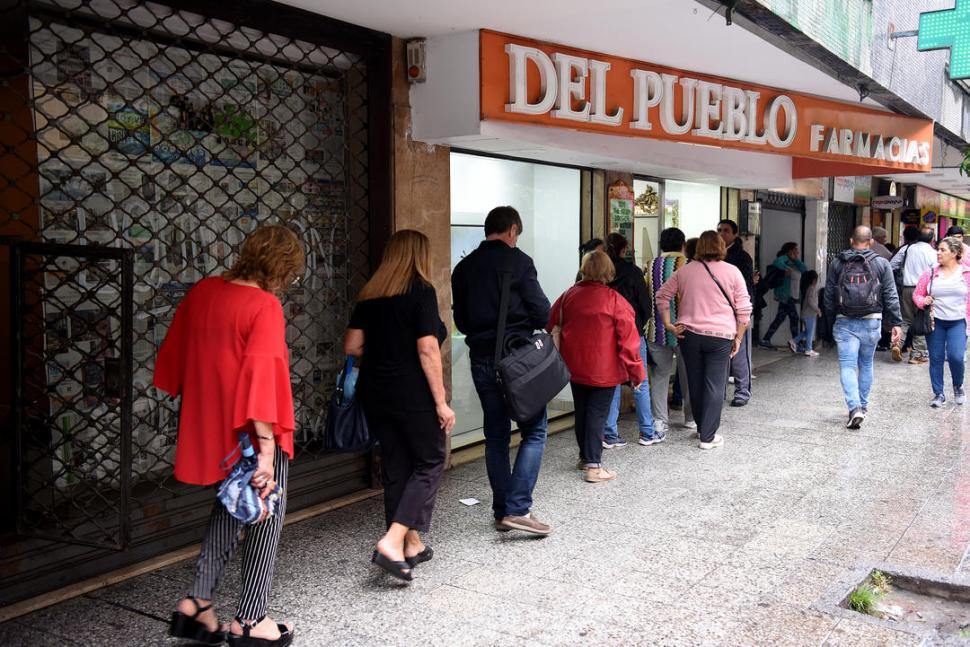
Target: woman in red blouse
{"x": 225, "y": 354}
{"x": 601, "y": 346}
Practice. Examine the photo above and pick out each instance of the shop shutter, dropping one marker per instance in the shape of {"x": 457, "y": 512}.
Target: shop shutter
{"x": 161, "y": 135}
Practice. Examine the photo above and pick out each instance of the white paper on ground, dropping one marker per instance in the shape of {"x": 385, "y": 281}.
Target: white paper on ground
{"x": 469, "y": 501}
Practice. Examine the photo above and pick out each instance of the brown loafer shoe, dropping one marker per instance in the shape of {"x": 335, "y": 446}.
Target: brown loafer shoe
{"x": 526, "y": 523}
{"x": 599, "y": 474}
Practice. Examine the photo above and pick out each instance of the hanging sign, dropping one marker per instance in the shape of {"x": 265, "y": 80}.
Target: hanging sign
{"x": 533, "y": 82}
{"x": 888, "y": 202}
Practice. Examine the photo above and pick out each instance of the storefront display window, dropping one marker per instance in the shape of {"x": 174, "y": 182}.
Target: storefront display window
{"x": 646, "y": 220}
{"x": 548, "y": 199}
{"x": 692, "y": 207}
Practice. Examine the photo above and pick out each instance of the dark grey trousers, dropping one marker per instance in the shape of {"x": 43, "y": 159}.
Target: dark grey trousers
{"x": 707, "y": 360}
{"x": 741, "y": 369}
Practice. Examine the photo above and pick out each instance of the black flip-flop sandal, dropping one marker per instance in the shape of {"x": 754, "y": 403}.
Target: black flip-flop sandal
{"x": 189, "y": 628}
{"x": 422, "y": 557}
{"x": 247, "y": 640}
{"x": 400, "y": 570}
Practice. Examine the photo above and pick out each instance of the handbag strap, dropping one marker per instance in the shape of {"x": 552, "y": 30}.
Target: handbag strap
{"x": 348, "y": 367}
{"x": 719, "y": 287}
{"x": 503, "y": 307}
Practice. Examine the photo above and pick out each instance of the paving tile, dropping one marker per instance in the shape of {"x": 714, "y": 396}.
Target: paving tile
{"x": 89, "y": 621}
{"x": 17, "y": 634}
{"x": 724, "y": 548}
{"x": 782, "y": 625}
{"x": 859, "y": 634}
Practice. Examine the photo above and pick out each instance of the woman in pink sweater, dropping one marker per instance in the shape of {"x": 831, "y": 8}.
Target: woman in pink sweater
{"x": 944, "y": 289}
{"x": 712, "y": 313}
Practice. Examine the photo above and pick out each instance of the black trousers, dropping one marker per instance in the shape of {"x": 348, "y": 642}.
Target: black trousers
{"x": 413, "y": 453}
{"x": 785, "y": 309}
{"x": 707, "y": 360}
{"x": 592, "y": 404}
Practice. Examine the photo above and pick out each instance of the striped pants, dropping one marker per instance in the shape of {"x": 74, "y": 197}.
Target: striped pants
{"x": 259, "y": 551}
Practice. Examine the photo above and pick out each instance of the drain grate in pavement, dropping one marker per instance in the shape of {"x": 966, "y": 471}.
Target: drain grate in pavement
{"x": 932, "y": 605}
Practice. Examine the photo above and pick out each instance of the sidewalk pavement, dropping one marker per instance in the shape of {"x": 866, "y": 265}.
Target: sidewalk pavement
{"x": 686, "y": 547}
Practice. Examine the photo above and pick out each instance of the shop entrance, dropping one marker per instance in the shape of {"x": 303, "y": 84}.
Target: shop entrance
{"x": 148, "y": 141}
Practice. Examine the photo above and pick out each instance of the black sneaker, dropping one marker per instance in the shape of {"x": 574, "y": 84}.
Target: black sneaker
{"x": 856, "y": 417}
{"x": 738, "y": 402}
{"x": 938, "y": 401}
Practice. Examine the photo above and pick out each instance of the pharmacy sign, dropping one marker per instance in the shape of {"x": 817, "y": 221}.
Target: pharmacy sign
{"x": 948, "y": 29}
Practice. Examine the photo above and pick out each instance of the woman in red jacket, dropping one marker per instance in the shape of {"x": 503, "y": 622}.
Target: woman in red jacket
{"x": 225, "y": 354}
{"x": 601, "y": 346}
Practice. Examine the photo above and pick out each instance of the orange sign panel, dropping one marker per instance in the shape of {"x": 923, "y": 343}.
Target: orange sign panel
{"x": 532, "y": 82}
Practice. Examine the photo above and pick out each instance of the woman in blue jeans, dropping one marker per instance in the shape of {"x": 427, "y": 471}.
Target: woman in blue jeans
{"x": 944, "y": 289}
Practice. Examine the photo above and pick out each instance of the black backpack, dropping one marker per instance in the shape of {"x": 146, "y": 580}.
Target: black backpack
{"x": 860, "y": 290}
{"x": 773, "y": 277}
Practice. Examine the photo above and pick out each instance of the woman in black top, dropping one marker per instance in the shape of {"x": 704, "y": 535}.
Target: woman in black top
{"x": 396, "y": 328}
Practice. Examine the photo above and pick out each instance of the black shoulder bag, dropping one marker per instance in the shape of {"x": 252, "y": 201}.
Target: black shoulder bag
{"x": 528, "y": 370}
{"x": 923, "y": 321}
{"x": 346, "y": 427}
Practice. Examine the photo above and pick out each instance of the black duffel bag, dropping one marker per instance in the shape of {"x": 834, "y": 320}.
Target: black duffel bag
{"x": 529, "y": 370}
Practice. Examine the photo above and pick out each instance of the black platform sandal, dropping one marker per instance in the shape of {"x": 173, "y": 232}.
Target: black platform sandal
{"x": 189, "y": 627}
{"x": 400, "y": 570}
{"x": 422, "y": 557}
{"x": 246, "y": 640}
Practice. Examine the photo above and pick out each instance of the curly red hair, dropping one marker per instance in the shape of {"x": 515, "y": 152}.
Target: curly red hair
{"x": 272, "y": 257}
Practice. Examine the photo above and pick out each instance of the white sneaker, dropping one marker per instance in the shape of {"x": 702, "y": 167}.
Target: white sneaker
{"x": 811, "y": 353}
{"x": 793, "y": 346}
{"x": 730, "y": 379}
{"x": 690, "y": 424}
{"x": 714, "y": 444}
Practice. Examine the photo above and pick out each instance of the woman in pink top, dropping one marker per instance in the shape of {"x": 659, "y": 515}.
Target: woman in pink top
{"x": 945, "y": 289}
{"x": 712, "y": 314}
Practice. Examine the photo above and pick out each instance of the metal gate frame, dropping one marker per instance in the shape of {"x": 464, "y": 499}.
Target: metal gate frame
{"x": 19, "y": 251}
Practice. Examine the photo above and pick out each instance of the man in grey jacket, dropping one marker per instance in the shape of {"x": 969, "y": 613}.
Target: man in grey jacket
{"x": 857, "y": 331}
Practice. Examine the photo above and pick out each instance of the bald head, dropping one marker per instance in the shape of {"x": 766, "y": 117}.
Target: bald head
{"x": 861, "y": 237}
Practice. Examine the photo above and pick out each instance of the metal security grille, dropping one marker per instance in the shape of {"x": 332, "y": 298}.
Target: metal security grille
{"x": 841, "y": 224}
{"x": 167, "y": 135}
{"x": 72, "y": 367}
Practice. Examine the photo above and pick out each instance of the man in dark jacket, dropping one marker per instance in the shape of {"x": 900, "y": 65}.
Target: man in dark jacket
{"x": 631, "y": 283}
{"x": 476, "y": 287}
{"x": 740, "y": 363}
{"x": 858, "y": 332}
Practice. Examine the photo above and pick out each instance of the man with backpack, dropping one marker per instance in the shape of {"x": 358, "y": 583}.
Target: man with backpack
{"x": 860, "y": 289}
{"x": 909, "y": 264}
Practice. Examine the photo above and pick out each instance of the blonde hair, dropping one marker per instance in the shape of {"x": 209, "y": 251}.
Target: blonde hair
{"x": 597, "y": 266}
{"x": 272, "y": 256}
{"x": 406, "y": 259}
{"x": 710, "y": 247}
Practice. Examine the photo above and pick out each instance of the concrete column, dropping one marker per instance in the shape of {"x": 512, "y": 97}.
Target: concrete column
{"x": 422, "y": 193}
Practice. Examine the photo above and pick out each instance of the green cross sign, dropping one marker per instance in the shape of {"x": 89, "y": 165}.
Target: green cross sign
{"x": 948, "y": 28}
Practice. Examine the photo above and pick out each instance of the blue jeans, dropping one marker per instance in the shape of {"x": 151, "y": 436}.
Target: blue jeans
{"x": 808, "y": 335}
{"x": 856, "y": 339}
{"x": 644, "y": 410}
{"x": 947, "y": 343}
{"x": 511, "y": 485}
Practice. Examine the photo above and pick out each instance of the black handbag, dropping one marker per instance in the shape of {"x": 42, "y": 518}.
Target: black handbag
{"x": 346, "y": 427}
{"x": 923, "y": 323}
{"x": 529, "y": 371}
